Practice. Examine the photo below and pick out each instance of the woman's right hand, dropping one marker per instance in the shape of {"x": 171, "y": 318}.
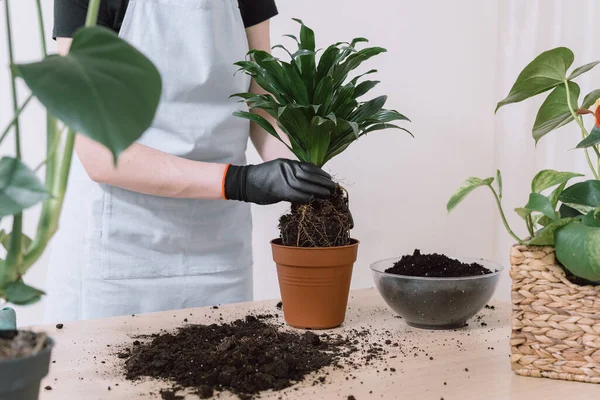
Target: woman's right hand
{"x": 276, "y": 181}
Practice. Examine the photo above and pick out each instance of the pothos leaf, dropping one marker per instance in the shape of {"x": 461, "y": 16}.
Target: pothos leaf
{"x": 467, "y": 187}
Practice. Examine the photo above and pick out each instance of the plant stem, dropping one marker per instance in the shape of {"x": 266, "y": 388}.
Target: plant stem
{"x": 92, "y": 13}
{"x": 52, "y": 208}
{"x": 42, "y": 28}
{"x": 51, "y": 151}
{"x": 529, "y": 223}
{"x": 14, "y": 255}
{"x": 584, "y": 132}
{"x": 13, "y": 78}
{"x": 57, "y": 175}
{"x": 15, "y": 118}
{"x": 504, "y": 221}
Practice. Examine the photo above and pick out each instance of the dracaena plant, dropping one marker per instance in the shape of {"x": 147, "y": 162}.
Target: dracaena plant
{"x": 566, "y": 217}
{"x": 104, "y": 89}
{"x": 315, "y": 103}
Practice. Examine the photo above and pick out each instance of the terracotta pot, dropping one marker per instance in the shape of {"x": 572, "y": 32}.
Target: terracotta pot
{"x": 314, "y": 283}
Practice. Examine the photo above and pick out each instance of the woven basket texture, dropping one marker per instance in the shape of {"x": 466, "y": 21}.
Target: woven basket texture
{"x": 555, "y": 323}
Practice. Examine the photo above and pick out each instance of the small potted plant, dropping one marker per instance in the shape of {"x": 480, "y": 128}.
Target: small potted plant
{"x": 317, "y": 105}
{"x": 556, "y": 270}
{"x": 77, "y": 91}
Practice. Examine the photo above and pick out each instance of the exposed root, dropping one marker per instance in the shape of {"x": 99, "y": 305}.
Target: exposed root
{"x": 321, "y": 223}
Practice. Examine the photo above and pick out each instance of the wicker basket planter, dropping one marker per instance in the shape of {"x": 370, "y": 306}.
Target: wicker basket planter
{"x": 555, "y": 323}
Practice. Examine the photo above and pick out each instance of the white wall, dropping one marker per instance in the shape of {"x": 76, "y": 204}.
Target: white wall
{"x": 440, "y": 71}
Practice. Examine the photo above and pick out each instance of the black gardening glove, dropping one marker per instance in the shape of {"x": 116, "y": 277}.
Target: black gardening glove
{"x": 278, "y": 180}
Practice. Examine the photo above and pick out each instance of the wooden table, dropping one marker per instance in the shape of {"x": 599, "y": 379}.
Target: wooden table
{"x": 467, "y": 364}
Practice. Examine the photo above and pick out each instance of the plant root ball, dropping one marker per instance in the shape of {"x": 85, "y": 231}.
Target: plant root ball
{"x": 321, "y": 223}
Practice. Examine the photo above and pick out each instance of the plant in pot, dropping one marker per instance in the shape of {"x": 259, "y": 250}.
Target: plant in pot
{"x": 555, "y": 271}
{"x": 316, "y": 105}
{"x": 101, "y": 75}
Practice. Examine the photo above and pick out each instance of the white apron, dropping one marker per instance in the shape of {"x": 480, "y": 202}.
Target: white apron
{"x": 119, "y": 252}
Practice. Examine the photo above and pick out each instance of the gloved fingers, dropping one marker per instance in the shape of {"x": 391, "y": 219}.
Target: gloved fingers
{"x": 310, "y": 188}
{"x": 298, "y": 196}
{"x": 313, "y": 169}
{"x": 317, "y": 179}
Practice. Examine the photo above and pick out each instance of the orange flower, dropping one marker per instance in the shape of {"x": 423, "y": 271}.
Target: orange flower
{"x": 597, "y": 113}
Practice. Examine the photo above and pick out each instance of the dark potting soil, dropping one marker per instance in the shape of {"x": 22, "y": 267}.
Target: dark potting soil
{"x": 435, "y": 266}
{"x": 321, "y": 223}
{"x": 16, "y": 344}
{"x": 245, "y": 357}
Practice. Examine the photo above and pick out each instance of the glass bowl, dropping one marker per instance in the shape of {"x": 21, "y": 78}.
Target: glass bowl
{"x": 436, "y": 303}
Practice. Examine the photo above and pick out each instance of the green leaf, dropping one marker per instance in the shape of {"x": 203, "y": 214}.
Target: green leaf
{"x": 21, "y": 294}
{"x": 555, "y": 194}
{"x": 104, "y": 88}
{"x": 318, "y": 137}
{"x": 590, "y": 98}
{"x": 324, "y": 92}
{"x": 306, "y": 61}
{"x": 499, "y": 183}
{"x": 580, "y": 208}
{"x": 292, "y": 36}
{"x": 583, "y": 193}
{"x": 578, "y": 250}
{"x": 590, "y": 219}
{"x": 583, "y": 69}
{"x": 540, "y": 203}
{"x": 568, "y": 212}
{"x": 368, "y": 109}
{"x": 545, "y": 237}
{"x": 548, "y": 178}
{"x": 363, "y": 87}
{"x": 378, "y": 127}
{"x": 356, "y": 78}
{"x": 545, "y": 72}
{"x": 555, "y": 112}
{"x": 592, "y": 140}
{"x": 467, "y": 187}
{"x": 5, "y": 240}
{"x": 387, "y": 116}
{"x": 19, "y": 187}
{"x": 263, "y": 123}
{"x": 523, "y": 212}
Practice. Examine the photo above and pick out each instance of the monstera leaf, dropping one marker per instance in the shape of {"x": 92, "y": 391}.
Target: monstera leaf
{"x": 104, "y": 88}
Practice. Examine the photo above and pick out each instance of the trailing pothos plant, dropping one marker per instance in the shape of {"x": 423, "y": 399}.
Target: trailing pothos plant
{"x": 559, "y": 214}
{"x": 104, "y": 89}
{"x": 315, "y": 103}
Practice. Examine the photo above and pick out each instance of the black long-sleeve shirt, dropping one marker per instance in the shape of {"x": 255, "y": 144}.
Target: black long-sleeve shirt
{"x": 69, "y": 15}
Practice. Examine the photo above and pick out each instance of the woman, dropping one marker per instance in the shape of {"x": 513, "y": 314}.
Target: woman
{"x": 170, "y": 226}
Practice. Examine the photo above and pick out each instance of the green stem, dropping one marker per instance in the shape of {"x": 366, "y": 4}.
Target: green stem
{"x": 14, "y": 255}
{"x": 504, "y": 221}
{"x": 92, "y": 13}
{"x": 42, "y": 28}
{"x": 13, "y": 77}
{"x": 15, "y": 118}
{"x": 51, "y": 151}
{"x": 52, "y": 208}
{"x": 529, "y": 223}
{"x": 584, "y": 132}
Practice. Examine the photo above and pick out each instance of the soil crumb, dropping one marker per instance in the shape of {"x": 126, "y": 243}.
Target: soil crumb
{"x": 59, "y": 326}
{"x": 245, "y": 357}
{"x": 436, "y": 266}
{"x": 321, "y": 223}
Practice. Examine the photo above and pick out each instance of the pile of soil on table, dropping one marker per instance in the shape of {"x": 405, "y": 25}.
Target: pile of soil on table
{"x": 435, "y": 266}
{"x": 245, "y": 357}
{"x": 321, "y": 223}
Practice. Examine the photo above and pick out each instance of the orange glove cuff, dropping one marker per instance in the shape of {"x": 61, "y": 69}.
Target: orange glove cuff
{"x": 223, "y": 182}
